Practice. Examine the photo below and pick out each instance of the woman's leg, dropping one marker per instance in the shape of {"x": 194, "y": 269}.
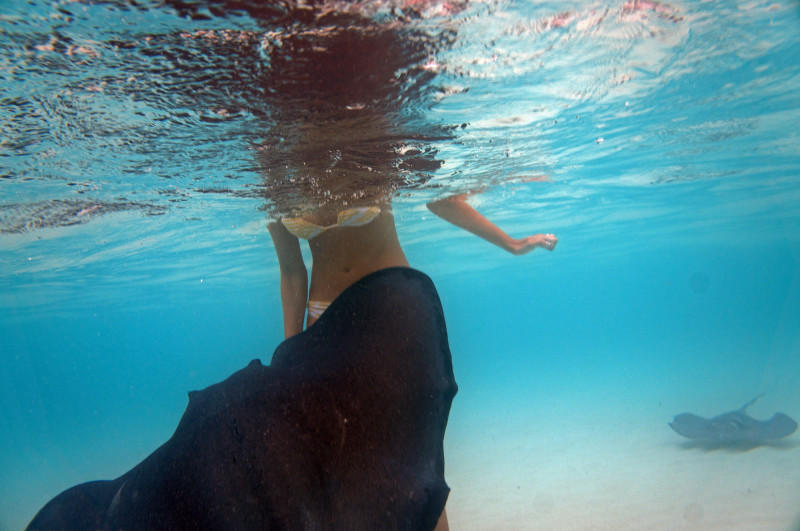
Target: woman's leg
{"x": 442, "y": 524}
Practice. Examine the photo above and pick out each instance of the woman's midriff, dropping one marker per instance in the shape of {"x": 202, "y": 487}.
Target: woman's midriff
{"x": 343, "y": 255}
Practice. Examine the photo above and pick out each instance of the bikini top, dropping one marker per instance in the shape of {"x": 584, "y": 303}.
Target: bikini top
{"x": 352, "y": 217}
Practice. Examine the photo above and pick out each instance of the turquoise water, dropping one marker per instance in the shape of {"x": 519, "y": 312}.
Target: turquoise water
{"x": 666, "y": 137}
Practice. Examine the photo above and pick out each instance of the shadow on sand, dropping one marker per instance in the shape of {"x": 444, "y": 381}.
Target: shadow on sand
{"x": 739, "y": 447}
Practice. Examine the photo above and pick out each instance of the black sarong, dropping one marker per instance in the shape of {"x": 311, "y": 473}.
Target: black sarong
{"x": 343, "y": 431}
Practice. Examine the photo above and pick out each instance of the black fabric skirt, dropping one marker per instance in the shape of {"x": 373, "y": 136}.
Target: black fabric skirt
{"x": 342, "y": 431}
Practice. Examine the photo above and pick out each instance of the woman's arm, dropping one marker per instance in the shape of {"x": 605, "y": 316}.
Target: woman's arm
{"x": 456, "y": 210}
{"x": 294, "y": 278}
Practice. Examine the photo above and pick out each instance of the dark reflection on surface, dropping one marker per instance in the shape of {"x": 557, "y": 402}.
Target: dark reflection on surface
{"x": 246, "y": 76}
{"x": 19, "y": 218}
{"x": 341, "y": 161}
{"x": 349, "y": 120}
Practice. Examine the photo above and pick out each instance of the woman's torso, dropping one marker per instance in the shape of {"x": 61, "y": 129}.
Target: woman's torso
{"x": 344, "y": 254}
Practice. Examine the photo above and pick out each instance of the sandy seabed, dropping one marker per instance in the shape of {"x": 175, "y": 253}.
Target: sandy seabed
{"x": 562, "y": 463}
{"x": 571, "y": 469}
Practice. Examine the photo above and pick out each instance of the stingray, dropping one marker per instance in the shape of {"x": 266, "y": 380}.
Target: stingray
{"x": 734, "y": 426}
{"x": 342, "y": 431}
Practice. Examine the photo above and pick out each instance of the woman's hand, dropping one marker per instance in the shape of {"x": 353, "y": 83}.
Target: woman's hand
{"x": 525, "y": 245}
{"x": 456, "y": 210}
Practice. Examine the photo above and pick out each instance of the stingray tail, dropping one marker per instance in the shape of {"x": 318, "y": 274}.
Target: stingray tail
{"x": 747, "y": 405}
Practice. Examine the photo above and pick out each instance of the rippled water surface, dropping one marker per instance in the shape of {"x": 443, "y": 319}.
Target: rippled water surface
{"x": 144, "y": 146}
{"x": 187, "y": 109}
